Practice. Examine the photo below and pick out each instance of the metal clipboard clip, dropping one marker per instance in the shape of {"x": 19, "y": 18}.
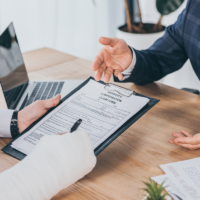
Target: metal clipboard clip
{"x": 120, "y": 90}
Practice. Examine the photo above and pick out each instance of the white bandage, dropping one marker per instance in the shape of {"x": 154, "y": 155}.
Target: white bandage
{"x": 57, "y": 162}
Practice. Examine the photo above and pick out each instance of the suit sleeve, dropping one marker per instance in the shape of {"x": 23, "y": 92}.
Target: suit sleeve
{"x": 5, "y": 120}
{"x": 165, "y": 56}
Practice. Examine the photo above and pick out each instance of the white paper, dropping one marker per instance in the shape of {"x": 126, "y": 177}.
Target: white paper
{"x": 186, "y": 175}
{"x": 173, "y": 189}
{"x": 102, "y": 112}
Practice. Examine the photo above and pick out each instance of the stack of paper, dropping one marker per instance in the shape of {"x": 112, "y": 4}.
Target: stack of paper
{"x": 182, "y": 179}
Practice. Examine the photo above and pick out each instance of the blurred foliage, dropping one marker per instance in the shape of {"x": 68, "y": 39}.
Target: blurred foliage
{"x": 166, "y": 7}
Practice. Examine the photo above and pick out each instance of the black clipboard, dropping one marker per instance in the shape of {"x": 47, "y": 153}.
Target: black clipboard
{"x": 19, "y": 155}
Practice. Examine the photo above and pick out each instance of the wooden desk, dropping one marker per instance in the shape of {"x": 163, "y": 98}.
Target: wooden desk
{"x": 139, "y": 151}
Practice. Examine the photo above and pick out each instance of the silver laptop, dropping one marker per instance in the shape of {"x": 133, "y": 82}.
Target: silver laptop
{"x": 18, "y": 90}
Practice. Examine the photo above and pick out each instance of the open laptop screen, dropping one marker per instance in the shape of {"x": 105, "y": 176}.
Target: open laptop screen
{"x": 13, "y": 74}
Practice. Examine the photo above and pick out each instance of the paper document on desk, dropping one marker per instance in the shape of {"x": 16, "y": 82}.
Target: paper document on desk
{"x": 173, "y": 189}
{"x": 185, "y": 175}
{"x": 102, "y": 112}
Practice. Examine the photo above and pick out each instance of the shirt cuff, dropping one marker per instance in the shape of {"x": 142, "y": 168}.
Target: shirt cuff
{"x": 5, "y": 121}
{"x": 126, "y": 73}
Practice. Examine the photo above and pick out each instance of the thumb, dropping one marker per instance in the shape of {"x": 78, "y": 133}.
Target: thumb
{"x": 108, "y": 41}
{"x": 47, "y": 104}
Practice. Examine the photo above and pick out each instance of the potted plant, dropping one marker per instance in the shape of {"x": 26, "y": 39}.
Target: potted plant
{"x": 155, "y": 191}
{"x": 142, "y": 35}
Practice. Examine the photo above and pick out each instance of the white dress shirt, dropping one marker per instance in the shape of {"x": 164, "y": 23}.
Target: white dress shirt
{"x": 5, "y": 120}
{"x": 129, "y": 70}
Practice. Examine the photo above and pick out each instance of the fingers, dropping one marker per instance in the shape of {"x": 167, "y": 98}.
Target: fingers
{"x": 189, "y": 144}
{"x": 108, "y": 41}
{"x": 177, "y": 135}
{"x": 108, "y": 74}
{"x": 186, "y": 133}
{"x": 55, "y": 100}
{"x": 171, "y": 141}
{"x": 99, "y": 72}
{"x": 47, "y": 104}
{"x": 98, "y": 61}
{"x": 118, "y": 74}
{"x": 112, "y": 67}
{"x": 187, "y": 140}
{"x": 180, "y": 136}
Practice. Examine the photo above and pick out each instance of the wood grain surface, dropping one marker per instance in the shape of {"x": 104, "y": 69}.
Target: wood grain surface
{"x": 139, "y": 151}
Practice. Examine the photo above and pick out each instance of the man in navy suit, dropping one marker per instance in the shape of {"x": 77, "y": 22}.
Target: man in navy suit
{"x": 180, "y": 42}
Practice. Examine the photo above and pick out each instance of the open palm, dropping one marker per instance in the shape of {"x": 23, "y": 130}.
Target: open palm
{"x": 115, "y": 57}
{"x": 186, "y": 140}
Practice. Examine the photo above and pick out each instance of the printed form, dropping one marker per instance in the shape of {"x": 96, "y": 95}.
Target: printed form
{"x": 102, "y": 112}
{"x": 186, "y": 176}
{"x": 173, "y": 189}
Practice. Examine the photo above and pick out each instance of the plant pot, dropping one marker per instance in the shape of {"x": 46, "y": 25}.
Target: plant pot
{"x": 139, "y": 41}
{"x": 166, "y": 198}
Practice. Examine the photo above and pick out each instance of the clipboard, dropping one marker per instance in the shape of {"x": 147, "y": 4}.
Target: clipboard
{"x": 112, "y": 87}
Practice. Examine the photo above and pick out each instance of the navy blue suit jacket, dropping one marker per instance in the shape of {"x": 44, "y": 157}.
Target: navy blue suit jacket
{"x": 169, "y": 53}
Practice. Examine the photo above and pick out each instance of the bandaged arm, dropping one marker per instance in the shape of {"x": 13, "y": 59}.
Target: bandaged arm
{"x": 56, "y": 162}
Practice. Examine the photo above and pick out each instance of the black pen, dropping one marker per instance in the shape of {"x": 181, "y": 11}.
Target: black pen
{"x": 76, "y": 125}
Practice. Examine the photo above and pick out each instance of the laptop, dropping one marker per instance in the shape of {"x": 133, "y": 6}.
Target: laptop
{"x": 18, "y": 90}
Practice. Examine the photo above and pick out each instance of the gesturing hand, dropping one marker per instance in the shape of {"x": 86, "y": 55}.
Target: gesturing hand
{"x": 115, "y": 57}
{"x": 34, "y": 111}
{"x": 186, "y": 140}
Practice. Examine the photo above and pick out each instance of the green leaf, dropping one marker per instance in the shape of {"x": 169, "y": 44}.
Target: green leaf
{"x": 154, "y": 191}
{"x": 166, "y": 7}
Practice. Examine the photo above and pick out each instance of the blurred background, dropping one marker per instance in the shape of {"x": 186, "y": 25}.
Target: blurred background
{"x": 74, "y": 27}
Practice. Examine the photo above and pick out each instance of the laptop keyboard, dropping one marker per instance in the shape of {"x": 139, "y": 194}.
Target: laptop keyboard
{"x": 11, "y": 95}
{"x": 42, "y": 91}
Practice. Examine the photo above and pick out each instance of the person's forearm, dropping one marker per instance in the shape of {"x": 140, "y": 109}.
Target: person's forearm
{"x": 153, "y": 65}
{"x": 24, "y": 182}
{"x": 33, "y": 179}
{"x": 56, "y": 163}
{"x": 165, "y": 56}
